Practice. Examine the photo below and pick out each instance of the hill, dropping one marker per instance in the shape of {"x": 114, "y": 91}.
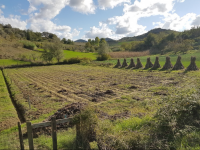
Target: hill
{"x": 141, "y": 37}
{"x": 111, "y": 42}
{"x": 80, "y": 41}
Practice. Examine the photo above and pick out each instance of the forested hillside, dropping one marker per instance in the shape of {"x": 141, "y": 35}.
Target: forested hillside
{"x": 160, "y": 41}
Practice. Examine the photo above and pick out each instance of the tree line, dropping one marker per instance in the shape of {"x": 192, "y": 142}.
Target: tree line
{"x": 163, "y": 42}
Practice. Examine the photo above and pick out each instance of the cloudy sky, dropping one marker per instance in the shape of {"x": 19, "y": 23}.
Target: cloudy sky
{"x": 76, "y": 19}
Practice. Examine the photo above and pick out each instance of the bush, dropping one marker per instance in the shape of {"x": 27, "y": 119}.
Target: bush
{"x": 103, "y": 57}
{"x": 75, "y": 60}
{"x": 85, "y": 60}
{"x": 29, "y": 45}
{"x": 178, "y": 118}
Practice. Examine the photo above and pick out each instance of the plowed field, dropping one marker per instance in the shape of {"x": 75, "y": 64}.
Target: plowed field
{"x": 114, "y": 91}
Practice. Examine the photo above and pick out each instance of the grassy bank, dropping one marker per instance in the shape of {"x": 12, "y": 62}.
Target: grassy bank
{"x": 8, "y": 117}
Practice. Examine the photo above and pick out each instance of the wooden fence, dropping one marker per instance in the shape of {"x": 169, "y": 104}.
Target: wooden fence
{"x": 30, "y": 128}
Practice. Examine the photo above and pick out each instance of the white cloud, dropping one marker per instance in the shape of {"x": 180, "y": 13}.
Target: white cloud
{"x": 181, "y": 1}
{"x": 196, "y": 21}
{"x": 40, "y": 21}
{"x": 3, "y": 6}
{"x": 101, "y": 31}
{"x": 127, "y": 24}
{"x": 15, "y": 21}
{"x": 175, "y": 22}
{"x": 83, "y": 6}
{"x": 103, "y": 4}
{"x": 48, "y": 26}
{"x": 51, "y": 8}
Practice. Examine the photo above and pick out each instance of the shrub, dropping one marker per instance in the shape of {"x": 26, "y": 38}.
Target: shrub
{"x": 52, "y": 50}
{"x": 86, "y": 121}
{"x": 75, "y": 60}
{"x": 103, "y": 57}
{"x": 29, "y": 45}
{"x": 65, "y": 61}
{"x": 178, "y": 118}
{"x": 85, "y": 60}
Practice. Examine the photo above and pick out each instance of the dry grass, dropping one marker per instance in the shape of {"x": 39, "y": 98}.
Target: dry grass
{"x": 128, "y": 54}
{"x": 12, "y": 50}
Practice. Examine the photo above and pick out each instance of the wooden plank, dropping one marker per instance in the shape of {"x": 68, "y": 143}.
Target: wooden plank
{"x": 43, "y": 124}
{"x": 20, "y": 136}
{"x": 46, "y": 124}
{"x": 59, "y": 121}
{"x": 54, "y": 135}
{"x": 30, "y": 135}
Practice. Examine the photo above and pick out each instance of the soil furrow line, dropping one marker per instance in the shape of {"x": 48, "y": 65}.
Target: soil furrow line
{"x": 53, "y": 87}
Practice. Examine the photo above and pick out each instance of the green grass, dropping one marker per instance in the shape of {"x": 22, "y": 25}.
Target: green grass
{"x": 65, "y": 140}
{"x": 9, "y": 62}
{"x": 162, "y": 58}
{"x": 8, "y": 113}
{"x": 69, "y": 54}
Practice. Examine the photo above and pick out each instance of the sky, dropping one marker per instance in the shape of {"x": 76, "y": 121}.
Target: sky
{"x": 87, "y": 19}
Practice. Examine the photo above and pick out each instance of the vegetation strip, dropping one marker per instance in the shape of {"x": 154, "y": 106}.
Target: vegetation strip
{"x": 20, "y": 115}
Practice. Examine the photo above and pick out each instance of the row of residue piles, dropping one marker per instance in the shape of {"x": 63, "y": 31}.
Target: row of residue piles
{"x": 156, "y": 65}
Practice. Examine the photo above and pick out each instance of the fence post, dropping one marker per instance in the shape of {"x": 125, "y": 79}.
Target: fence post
{"x": 20, "y": 136}
{"x": 54, "y": 136}
{"x": 30, "y": 135}
{"x": 79, "y": 141}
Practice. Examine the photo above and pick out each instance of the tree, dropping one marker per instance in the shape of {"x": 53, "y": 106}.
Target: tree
{"x": 45, "y": 34}
{"x": 102, "y": 40}
{"x": 103, "y": 48}
{"x": 186, "y": 45}
{"x": 97, "y": 40}
{"x": 52, "y": 50}
{"x": 150, "y": 40}
{"x": 171, "y": 37}
{"x": 64, "y": 40}
{"x": 89, "y": 40}
{"x": 87, "y": 45}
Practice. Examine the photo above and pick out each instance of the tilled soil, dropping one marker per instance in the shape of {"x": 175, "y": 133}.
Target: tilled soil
{"x": 65, "y": 112}
{"x": 69, "y": 111}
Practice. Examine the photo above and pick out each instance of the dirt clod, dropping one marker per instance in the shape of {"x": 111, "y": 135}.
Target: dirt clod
{"x": 109, "y": 92}
{"x": 160, "y": 93}
{"x": 62, "y": 91}
{"x": 133, "y": 87}
{"x": 65, "y": 112}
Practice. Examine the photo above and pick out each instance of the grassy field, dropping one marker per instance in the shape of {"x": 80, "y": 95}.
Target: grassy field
{"x": 162, "y": 58}
{"x": 8, "y": 117}
{"x": 131, "y": 96}
{"x": 10, "y": 62}
{"x": 69, "y": 54}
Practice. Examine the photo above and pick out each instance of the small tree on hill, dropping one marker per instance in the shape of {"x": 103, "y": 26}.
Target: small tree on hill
{"x": 103, "y": 48}
{"x": 103, "y": 51}
{"x": 53, "y": 50}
